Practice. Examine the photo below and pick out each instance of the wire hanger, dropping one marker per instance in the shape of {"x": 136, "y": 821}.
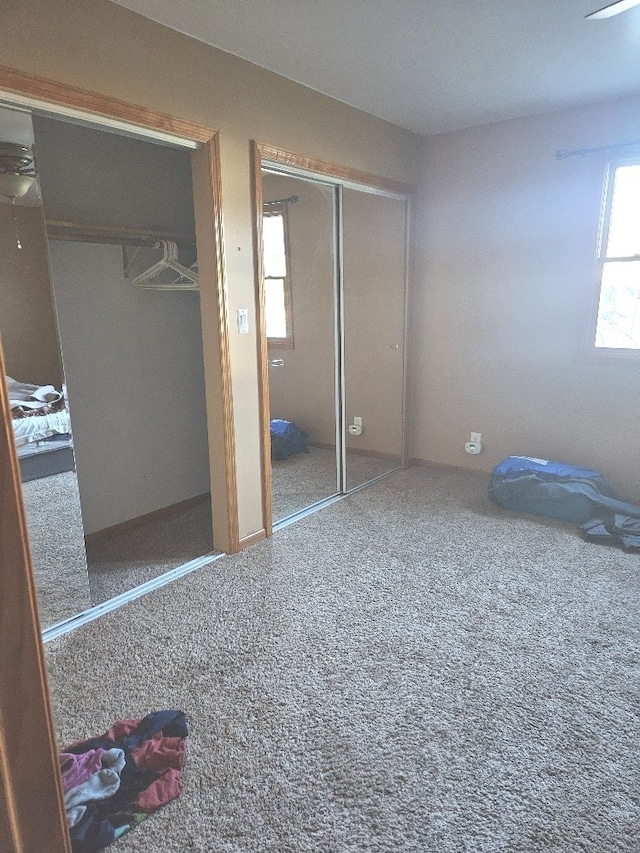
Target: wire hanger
{"x": 187, "y": 279}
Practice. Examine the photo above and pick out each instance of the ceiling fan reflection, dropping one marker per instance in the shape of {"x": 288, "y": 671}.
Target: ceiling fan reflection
{"x": 613, "y": 9}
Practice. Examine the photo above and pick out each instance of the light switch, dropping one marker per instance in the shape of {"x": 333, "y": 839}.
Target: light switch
{"x": 243, "y": 321}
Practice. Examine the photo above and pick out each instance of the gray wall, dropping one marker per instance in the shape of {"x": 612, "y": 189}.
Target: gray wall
{"x": 133, "y": 362}
{"x": 105, "y": 179}
{"x": 133, "y": 358}
{"x": 27, "y": 318}
{"x": 506, "y": 281}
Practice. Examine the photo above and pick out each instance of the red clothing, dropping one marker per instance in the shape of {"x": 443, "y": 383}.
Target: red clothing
{"x": 166, "y": 756}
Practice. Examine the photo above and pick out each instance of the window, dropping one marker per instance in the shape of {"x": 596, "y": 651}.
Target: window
{"x": 277, "y": 282}
{"x": 618, "y": 323}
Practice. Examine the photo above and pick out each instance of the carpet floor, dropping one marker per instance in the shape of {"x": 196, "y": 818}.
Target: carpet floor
{"x": 306, "y": 478}
{"x": 409, "y": 669}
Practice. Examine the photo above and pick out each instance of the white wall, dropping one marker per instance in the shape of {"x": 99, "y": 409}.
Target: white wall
{"x": 505, "y": 280}
{"x": 133, "y": 363}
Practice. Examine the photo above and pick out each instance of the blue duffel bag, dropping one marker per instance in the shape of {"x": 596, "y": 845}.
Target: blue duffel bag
{"x": 287, "y": 439}
{"x": 553, "y": 489}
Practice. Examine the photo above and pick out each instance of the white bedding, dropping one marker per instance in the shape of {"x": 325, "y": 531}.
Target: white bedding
{"x": 25, "y": 396}
{"x": 27, "y": 430}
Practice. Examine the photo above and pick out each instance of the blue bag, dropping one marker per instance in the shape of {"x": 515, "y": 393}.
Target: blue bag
{"x": 287, "y": 439}
{"x": 553, "y": 489}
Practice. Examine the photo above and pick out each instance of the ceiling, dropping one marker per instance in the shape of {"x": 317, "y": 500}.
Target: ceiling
{"x": 427, "y": 65}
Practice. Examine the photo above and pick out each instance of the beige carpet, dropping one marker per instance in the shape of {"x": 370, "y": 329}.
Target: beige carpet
{"x": 409, "y": 669}
{"x": 306, "y": 478}
{"x": 52, "y": 507}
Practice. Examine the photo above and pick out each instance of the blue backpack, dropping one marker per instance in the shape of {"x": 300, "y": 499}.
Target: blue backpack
{"x": 287, "y": 439}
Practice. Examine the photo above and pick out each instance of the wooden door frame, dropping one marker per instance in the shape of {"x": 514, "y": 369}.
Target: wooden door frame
{"x": 29, "y": 774}
{"x": 263, "y": 152}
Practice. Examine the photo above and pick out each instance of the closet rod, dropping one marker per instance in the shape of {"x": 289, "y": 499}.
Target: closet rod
{"x": 75, "y": 231}
{"x": 561, "y": 154}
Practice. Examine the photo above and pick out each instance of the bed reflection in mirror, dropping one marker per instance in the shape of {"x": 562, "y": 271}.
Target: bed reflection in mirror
{"x": 299, "y": 267}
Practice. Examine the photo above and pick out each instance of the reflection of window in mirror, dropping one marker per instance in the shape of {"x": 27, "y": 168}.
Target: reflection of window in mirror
{"x": 277, "y": 277}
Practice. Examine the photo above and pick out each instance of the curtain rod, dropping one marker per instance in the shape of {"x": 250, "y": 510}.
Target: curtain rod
{"x": 582, "y": 152}
{"x": 291, "y": 200}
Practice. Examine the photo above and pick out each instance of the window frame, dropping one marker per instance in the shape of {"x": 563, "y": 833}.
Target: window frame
{"x": 603, "y": 352}
{"x": 281, "y": 209}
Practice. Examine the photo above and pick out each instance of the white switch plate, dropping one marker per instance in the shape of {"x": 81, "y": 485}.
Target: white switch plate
{"x": 476, "y": 437}
{"x": 243, "y": 321}
{"x": 357, "y": 421}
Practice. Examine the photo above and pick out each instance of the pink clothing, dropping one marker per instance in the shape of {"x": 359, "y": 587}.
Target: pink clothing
{"x": 76, "y": 769}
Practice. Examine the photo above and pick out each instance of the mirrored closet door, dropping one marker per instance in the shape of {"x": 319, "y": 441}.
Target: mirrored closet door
{"x": 117, "y": 282}
{"x": 334, "y": 288}
{"x": 299, "y": 290}
{"x": 373, "y": 299}
{"x": 39, "y": 407}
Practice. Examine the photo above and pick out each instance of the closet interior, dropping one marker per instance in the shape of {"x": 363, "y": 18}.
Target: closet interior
{"x": 101, "y": 330}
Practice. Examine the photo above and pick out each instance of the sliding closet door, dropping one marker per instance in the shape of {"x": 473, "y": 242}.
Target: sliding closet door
{"x": 374, "y": 285}
{"x": 39, "y": 412}
{"x": 299, "y": 287}
{"x": 132, "y": 348}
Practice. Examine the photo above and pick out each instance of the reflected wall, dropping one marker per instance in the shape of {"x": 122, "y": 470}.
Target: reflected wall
{"x": 374, "y": 285}
{"x": 40, "y": 413}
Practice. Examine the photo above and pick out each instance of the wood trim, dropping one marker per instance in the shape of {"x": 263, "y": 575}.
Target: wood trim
{"x": 300, "y": 161}
{"x": 252, "y": 539}
{"x": 139, "y": 520}
{"x": 93, "y": 104}
{"x": 262, "y": 342}
{"x": 207, "y": 198}
{"x": 442, "y": 466}
{"x": 374, "y": 454}
{"x": 32, "y": 816}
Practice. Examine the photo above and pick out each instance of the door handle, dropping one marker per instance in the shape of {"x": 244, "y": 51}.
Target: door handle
{"x": 277, "y": 362}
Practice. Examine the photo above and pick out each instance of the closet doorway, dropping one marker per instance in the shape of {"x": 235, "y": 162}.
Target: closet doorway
{"x": 331, "y": 266}
{"x": 102, "y": 311}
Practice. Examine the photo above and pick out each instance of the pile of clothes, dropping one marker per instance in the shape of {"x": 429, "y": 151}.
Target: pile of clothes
{"x": 114, "y": 781}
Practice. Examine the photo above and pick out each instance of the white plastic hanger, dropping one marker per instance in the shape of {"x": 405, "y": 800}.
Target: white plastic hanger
{"x": 187, "y": 279}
